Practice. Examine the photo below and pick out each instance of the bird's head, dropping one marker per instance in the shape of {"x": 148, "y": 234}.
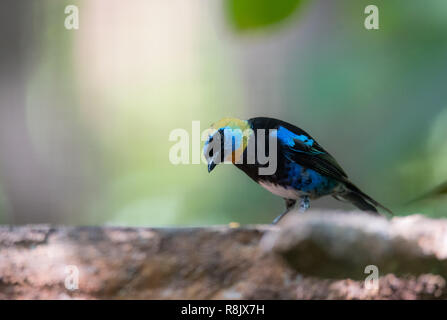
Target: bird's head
{"x": 227, "y": 140}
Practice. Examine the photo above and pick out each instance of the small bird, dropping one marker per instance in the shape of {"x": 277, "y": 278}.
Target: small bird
{"x": 304, "y": 170}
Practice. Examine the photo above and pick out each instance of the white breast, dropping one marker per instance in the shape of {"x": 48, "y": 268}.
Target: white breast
{"x": 287, "y": 193}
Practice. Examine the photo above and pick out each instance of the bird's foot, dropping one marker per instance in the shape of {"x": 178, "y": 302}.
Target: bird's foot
{"x": 304, "y": 203}
{"x": 280, "y": 217}
{"x": 289, "y": 205}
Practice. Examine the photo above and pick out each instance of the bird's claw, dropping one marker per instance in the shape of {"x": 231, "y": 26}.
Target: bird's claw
{"x": 304, "y": 203}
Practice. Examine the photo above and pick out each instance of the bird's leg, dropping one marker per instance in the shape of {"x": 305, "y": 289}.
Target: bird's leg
{"x": 289, "y": 205}
{"x": 280, "y": 216}
{"x": 304, "y": 203}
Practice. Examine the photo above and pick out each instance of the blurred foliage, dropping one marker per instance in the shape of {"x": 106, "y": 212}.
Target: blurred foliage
{"x": 252, "y": 14}
{"x": 438, "y": 192}
{"x": 102, "y": 101}
{"x": 3, "y": 208}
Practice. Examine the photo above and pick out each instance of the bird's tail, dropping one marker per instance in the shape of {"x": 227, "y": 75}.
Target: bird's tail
{"x": 360, "y": 199}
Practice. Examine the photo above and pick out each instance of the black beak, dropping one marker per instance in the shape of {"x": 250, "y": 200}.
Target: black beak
{"x": 213, "y": 156}
{"x": 211, "y": 165}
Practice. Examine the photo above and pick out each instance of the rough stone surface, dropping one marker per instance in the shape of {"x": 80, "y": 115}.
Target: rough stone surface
{"x": 340, "y": 245}
{"x": 312, "y": 256}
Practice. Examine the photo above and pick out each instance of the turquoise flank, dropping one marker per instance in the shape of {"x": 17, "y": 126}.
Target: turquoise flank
{"x": 308, "y": 180}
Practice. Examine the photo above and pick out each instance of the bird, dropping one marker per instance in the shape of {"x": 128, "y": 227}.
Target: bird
{"x": 304, "y": 170}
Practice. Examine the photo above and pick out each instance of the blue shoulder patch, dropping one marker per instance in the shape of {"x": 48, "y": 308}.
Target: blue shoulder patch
{"x": 288, "y": 137}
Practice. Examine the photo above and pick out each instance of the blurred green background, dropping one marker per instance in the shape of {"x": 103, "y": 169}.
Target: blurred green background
{"x": 85, "y": 115}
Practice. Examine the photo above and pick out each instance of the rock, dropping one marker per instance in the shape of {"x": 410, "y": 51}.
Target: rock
{"x": 342, "y": 245}
{"x": 312, "y": 256}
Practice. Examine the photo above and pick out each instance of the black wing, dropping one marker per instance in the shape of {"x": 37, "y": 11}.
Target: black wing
{"x": 298, "y": 146}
